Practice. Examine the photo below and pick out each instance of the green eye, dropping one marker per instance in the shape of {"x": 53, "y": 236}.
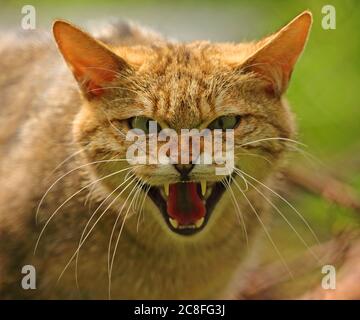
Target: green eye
{"x": 142, "y": 123}
{"x": 225, "y": 122}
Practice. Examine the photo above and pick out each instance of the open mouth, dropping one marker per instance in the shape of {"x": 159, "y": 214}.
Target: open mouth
{"x": 187, "y": 206}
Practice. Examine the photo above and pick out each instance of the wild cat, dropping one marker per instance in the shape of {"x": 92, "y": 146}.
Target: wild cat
{"x": 95, "y": 226}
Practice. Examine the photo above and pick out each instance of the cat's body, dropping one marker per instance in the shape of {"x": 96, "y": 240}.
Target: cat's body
{"x": 41, "y": 127}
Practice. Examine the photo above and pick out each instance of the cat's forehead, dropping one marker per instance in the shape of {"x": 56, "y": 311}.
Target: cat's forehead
{"x": 185, "y": 60}
{"x": 183, "y": 84}
{"x": 181, "y": 97}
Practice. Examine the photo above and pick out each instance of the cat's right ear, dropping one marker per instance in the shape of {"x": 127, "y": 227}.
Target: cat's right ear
{"x": 277, "y": 54}
{"x": 93, "y": 64}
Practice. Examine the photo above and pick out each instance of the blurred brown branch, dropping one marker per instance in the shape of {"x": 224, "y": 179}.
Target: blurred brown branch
{"x": 262, "y": 280}
{"x": 324, "y": 185}
{"x": 347, "y": 278}
{"x": 343, "y": 251}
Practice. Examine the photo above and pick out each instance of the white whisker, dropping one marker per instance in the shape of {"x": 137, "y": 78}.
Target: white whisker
{"x": 254, "y": 155}
{"x": 110, "y": 262}
{"x": 286, "y": 201}
{"x": 67, "y": 159}
{"x": 93, "y": 215}
{"x": 273, "y": 138}
{"x": 66, "y": 174}
{"x": 287, "y": 221}
{"x": 264, "y": 228}
{"x": 142, "y": 207}
{"x": 93, "y": 226}
{"x": 71, "y": 197}
{"x": 240, "y": 216}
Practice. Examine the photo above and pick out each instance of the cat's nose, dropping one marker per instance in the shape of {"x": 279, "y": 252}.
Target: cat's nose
{"x": 184, "y": 169}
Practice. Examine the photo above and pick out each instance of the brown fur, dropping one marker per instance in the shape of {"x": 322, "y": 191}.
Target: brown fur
{"x": 44, "y": 120}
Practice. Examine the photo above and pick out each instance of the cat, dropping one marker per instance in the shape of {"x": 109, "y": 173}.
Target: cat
{"x": 93, "y": 225}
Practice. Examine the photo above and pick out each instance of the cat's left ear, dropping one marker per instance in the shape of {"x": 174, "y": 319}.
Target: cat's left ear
{"x": 277, "y": 54}
{"x": 92, "y": 63}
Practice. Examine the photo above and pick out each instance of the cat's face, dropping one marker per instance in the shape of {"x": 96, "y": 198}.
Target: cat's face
{"x": 183, "y": 86}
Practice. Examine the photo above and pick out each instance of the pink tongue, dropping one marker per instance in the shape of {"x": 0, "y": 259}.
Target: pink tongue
{"x": 184, "y": 203}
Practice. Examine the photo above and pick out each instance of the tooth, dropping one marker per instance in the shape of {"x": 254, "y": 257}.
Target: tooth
{"x": 174, "y": 223}
{"x": 199, "y": 223}
{"x": 203, "y": 187}
{"x": 208, "y": 192}
{"x": 187, "y": 226}
{"x": 166, "y": 189}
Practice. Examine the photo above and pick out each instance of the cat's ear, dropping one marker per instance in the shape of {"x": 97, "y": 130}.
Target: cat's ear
{"x": 277, "y": 54}
{"x": 92, "y": 63}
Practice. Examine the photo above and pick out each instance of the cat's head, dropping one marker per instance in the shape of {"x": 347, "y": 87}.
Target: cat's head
{"x": 194, "y": 85}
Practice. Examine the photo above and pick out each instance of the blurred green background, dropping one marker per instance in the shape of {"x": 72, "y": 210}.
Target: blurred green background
{"x": 324, "y": 91}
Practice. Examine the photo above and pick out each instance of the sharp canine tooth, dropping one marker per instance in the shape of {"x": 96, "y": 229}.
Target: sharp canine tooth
{"x": 208, "y": 192}
{"x": 203, "y": 187}
{"x": 174, "y": 223}
{"x": 200, "y": 222}
{"x": 166, "y": 189}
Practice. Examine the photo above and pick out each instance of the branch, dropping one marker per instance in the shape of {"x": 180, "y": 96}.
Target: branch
{"x": 347, "y": 279}
{"x": 343, "y": 250}
{"x": 324, "y": 185}
{"x": 263, "y": 280}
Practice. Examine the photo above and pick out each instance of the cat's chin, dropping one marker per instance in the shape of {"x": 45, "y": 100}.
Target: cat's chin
{"x": 185, "y": 206}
